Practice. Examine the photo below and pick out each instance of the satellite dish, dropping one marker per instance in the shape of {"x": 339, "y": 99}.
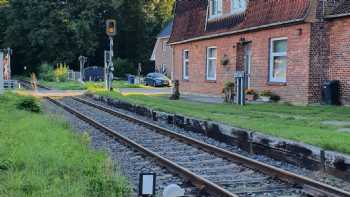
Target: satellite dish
{"x": 173, "y": 190}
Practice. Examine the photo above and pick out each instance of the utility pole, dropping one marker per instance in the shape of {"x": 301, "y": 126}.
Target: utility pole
{"x": 83, "y": 61}
{"x": 9, "y": 54}
{"x": 111, "y": 31}
{"x": 1, "y": 72}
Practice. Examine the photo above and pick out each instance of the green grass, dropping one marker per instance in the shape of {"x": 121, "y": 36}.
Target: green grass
{"x": 74, "y": 85}
{"x": 300, "y": 123}
{"x": 68, "y": 85}
{"x": 40, "y": 156}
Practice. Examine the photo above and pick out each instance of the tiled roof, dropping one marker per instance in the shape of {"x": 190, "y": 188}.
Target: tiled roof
{"x": 166, "y": 30}
{"x": 190, "y": 17}
{"x": 343, "y": 8}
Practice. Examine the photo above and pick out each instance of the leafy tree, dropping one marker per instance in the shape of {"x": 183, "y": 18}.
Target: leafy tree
{"x": 59, "y": 31}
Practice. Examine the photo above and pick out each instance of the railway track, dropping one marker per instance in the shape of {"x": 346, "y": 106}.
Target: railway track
{"x": 217, "y": 171}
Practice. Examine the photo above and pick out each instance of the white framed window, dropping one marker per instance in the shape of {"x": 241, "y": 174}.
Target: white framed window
{"x": 186, "y": 64}
{"x": 164, "y": 46}
{"x": 163, "y": 68}
{"x": 238, "y": 6}
{"x": 278, "y": 60}
{"x": 215, "y": 8}
{"x": 211, "y": 63}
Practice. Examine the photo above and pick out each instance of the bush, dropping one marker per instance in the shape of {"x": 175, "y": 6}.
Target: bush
{"x": 61, "y": 73}
{"x": 266, "y": 93}
{"x": 123, "y": 67}
{"x": 275, "y": 97}
{"x": 29, "y": 104}
{"x": 94, "y": 86}
{"x": 229, "y": 92}
{"x": 46, "y": 72}
{"x": 251, "y": 91}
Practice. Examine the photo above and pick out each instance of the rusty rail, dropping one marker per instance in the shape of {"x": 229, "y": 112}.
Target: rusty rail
{"x": 199, "y": 182}
{"x": 310, "y": 186}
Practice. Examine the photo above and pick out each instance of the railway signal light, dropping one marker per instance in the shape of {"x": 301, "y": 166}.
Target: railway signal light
{"x": 111, "y": 27}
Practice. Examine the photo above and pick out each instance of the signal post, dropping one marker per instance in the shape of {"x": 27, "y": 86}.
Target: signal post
{"x": 111, "y": 31}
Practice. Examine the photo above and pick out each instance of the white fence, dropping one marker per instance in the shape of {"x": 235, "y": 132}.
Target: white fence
{"x": 74, "y": 76}
{"x": 10, "y": 84}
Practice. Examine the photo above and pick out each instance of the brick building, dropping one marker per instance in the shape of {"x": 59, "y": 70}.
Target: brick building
{"x": 287, "y": 46}
{"x": 162, "y": 52}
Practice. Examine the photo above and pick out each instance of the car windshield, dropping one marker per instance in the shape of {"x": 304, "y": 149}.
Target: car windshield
{"x": 156, "y": 75}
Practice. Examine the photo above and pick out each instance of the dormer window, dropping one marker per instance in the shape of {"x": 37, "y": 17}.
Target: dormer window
{"x": 215, "y": 9}
{"x": 238, "y": 6}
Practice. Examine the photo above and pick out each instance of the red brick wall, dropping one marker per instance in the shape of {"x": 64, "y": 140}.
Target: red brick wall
{"x": 340, "y": 55}
{"x": 296, "y": 88}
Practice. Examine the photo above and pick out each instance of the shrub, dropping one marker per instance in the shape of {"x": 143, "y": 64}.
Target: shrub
{"x": 29, "y": 104}
{"x": 46, "y": 72}
{"x": 123, "y": 67}
{"x": 94, "y": 86}
{"x": 229, "y": 92}
{"x": 61, "y": 73}
{"x": 275, "y": 97}
{"x": 266, "y": 93}
{"x": 251, "y": 91}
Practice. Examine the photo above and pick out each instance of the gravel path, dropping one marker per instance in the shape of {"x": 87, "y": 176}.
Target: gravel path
{"x": 325, "y": 178}
{"x": 235, "y": 178}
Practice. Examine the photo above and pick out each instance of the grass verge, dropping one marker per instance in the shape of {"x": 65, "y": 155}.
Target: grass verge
{"x": 75, "y": 85}
{"x": 299, "y": 123}
{"x": 40, "y": 156}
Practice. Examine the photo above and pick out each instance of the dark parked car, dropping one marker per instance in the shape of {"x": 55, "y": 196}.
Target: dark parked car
{"x": 157, "y": 80}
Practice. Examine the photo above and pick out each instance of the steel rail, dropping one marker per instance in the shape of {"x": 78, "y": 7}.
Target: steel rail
{"x": 198, "y": 181}
{"x": 313, "y": 187}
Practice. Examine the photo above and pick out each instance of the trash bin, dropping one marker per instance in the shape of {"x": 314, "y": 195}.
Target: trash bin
{"x": 131, "y": 79}
{"x": 331, "y": 93}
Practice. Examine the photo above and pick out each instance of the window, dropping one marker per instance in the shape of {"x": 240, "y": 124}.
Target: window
{"x": 238, "y": 6}
{"x": 211, "y": 63}
{"x": 164, "y": 46}
{"x": 163, "y": 68}
{"x": 278, "y": 60}
{"x": 215, "y": 8}
{"x": 185, "y": 68}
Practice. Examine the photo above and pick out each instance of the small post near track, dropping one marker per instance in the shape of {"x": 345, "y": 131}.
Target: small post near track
{"x": 1, "y": 72}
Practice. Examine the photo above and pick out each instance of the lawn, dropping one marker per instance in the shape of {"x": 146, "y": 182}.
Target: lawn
{"x": 75, "y": 85}
{"x": 300, "y": 123}
{"x": 40, "y": 156}
{"x": 68, "y": 85}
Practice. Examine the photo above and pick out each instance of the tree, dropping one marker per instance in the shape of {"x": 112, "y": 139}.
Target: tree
{"x": 59, "y": 31}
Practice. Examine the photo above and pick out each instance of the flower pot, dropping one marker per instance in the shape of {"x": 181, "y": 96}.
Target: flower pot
{"x": 265, "y": 98}
{"x": 250, "y": 97}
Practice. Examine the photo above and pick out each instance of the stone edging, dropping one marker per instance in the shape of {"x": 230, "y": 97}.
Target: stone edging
{"x": 300, "y": 154}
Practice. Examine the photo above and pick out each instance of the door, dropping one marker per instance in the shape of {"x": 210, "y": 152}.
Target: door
{"x": 247, "y": 61}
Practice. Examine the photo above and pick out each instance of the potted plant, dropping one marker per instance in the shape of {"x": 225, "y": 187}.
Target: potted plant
{"x": 229, "y": 92}
{"x": 225, "y": 60}
{"x": 266, "y": 95}
{"x": 251, "y": 94}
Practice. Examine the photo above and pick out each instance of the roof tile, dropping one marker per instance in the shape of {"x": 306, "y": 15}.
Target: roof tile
{"x": 190, "y": 17}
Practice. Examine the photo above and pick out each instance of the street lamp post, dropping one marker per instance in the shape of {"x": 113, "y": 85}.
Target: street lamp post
{"x": 111, "y": 31}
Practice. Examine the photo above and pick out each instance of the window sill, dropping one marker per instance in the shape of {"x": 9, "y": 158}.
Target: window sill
{"x": 271, "y": 83}
{"x": 186, "y": 80}
{"x": 210, "y": 81}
